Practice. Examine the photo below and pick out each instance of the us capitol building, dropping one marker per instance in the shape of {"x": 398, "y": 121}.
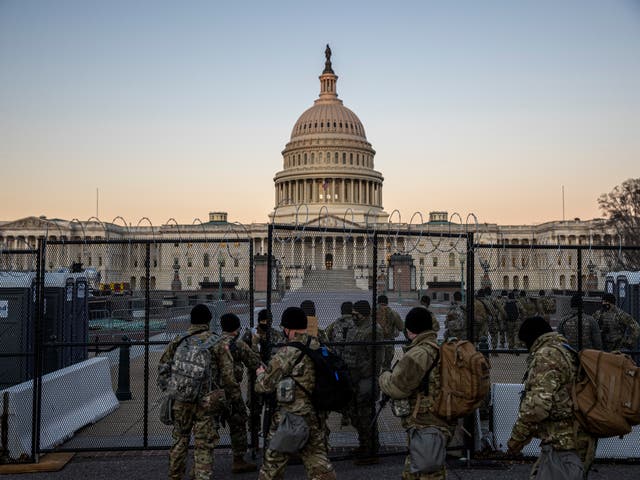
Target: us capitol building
{"x": 328, "y": 179}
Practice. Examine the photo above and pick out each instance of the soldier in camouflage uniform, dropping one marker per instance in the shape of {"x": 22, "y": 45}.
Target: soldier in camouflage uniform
{"x": 359, "y": 360}
{"x": 337, "y": 330}
{"x": 619, "y": 329}
{"x": 190, "y": 417}
{"x": 236, "y": 416}
{"x": 591, "y": 337}
{"x": 288, "y": 362}
{"x": 527, "y": 305}
{"x": 268, "y": 334}
{"x": 513, "y": 324}
{"x": 391, "y": 325}
{"x": 545, "y": 306}
{"x": 456, "y": 322}
{"x": 480, "y": 318}
{"x": 406, "y": 381}
{"x": 425, "y": 301}
{"x": 495, "y": 316}
{"x": 546, "y": 408}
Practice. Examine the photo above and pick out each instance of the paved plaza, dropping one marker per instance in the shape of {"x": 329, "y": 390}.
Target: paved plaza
{"x": 154, "y": 464}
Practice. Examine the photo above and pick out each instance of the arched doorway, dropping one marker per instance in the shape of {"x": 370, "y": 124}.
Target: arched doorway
{"x": 328, "y": 261}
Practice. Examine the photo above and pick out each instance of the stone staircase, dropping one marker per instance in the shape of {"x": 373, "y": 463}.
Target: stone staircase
{"x": 329, "y": 281}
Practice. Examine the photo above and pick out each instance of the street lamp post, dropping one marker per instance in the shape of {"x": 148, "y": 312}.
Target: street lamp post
{"x": 399, "y": 281}
{"x": 421, "y": 281}
{"x": 220, "y": 263}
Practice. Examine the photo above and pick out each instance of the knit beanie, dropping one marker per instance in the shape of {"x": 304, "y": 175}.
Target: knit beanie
{"x": 294, "y": 318}
{"x": 531, "y": 329}
{"x": 200, "y": 314}
{"x": 418, "y": 320}
{"x": 229, "y": 322}
{"x": 362, "y": 307}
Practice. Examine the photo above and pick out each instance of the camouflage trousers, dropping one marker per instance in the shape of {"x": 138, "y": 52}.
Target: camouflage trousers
{"x": 237, "y": 421}
{"x": 494, "y": 331}
{"x": 187, "y": 418}
{"x": 586, "y": 450}
{"x": 480, "y": 329}
{"x": 361, "y": 412}
{"x": 512, "y": 334}
{"x": 314, "y": 454}
{"x": 389, "y": 353}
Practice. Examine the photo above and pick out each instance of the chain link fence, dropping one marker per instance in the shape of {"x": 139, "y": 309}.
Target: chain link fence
{"x": 112, "y": 306}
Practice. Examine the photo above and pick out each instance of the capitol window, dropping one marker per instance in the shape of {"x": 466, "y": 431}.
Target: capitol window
{"x": 335, "y": 158}
{"x": 351, "y": 154}
{"x": 313, "y": 157}
{"x": 305, "y": 158}
{"x": 344, "y": 158}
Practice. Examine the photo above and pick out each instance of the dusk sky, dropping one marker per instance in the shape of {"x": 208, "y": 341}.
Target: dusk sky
{"x": 175, "y": 109}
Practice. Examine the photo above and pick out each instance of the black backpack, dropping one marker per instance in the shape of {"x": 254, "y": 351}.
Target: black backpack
{"x": 333, "y": 389}
{"x": 511, "y": 307}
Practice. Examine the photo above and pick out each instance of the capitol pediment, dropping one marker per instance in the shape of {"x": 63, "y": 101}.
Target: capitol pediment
{"x": 30, "y": 223}
{"x": 331, "y": 221}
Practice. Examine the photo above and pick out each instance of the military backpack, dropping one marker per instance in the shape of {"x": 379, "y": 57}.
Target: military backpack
{"x": 333, "y": 387}
{"x": 464, "y": 379}
{"x": 192, "y": 369}
{"x": 606, "y": 395}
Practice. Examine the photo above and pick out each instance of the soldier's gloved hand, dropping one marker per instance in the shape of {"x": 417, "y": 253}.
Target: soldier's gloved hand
{"x": 514, "y": 447}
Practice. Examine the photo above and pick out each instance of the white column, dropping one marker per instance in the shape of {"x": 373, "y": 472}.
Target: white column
{"x": 292, "y": 262}
{"x": 313, "y": 253}
{"x": 302, "y": 253}
{"x": 262, "y": 245}
{"x": 333, "y": 250}
{"x": 333, "y": 189}
{"x": 324, "y": 250}
{"x": 351, "y": 197}
{"x": 344, "y": 253}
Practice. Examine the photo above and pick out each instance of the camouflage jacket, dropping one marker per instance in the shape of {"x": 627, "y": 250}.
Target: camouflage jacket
{"x": 546, "y": 408}
{"x": 406, "y": 381}
{"x": 221, "y": 356}
{"x": 494, "y": 308}
{"x": 389, "y": 321}
{"x": 545, "y": 306}
{"x": 359, "y": 358}
{"x": 619, "y": 329}
{"x": 242, "y": 354}
{"x": 275, "y": 337}
{"x": 337, "y": 332}
{"x": 591, "y": 337}
{"x": 288, "y": 362}
{"x": 456, "y": 322}
{"x": 527, "y": 307}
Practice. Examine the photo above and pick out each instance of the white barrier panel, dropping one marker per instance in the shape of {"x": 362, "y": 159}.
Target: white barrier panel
{"x": 505, "y": 398}
{"x": 72, "y": 397}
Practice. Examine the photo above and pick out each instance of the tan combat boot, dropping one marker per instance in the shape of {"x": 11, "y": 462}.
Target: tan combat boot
{"x": 240, "y": 466}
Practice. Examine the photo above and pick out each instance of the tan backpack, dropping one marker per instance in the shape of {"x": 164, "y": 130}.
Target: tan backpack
{"x": 606, "y": 396}
{"x": 464, "y": 379}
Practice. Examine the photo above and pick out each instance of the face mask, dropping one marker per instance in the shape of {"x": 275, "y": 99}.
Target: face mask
{"x": 263, "y": 327}
{"x": 606, "y": 306}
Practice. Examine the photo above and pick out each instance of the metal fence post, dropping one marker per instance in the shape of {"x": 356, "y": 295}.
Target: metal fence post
{"x": 124, "y": 384}
{"x": 37, "y": 352}
{"x": 374, "y": 337}
{"x": 580, "y": 307}
{"x": 469, "y": 423}
{"x": 147, "y": 306}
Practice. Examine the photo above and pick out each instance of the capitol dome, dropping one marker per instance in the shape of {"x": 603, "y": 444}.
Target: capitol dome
{"x": 328, "y": 164}
{"x": 328, "y": 117}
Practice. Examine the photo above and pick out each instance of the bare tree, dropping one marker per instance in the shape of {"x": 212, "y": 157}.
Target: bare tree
{"x": 621, "y": 206}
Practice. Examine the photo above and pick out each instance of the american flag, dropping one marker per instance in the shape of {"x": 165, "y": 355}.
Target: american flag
{"x": 325, "y": 185}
